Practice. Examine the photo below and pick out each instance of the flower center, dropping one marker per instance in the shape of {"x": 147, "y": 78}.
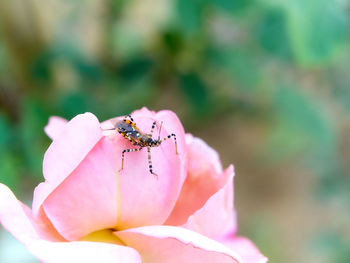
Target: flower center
{"x": 105, "y": 235}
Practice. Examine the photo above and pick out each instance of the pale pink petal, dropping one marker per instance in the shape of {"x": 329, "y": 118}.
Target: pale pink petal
{"x": 217, "y": 216}
{"x": 168, "y": 244}
{"x": 63, "y": 173}
{"x": 65, "y": 153}
{"x": 18, "y": 220}
{"x": 245, "y": 248}
{"x": 172, "y": 124}
{"x": 55, "y": 127}
{"x": 83, "y": 251}
{"x": 145, "y": 199}
{"x": 201, "y": 156}
{"x": 77, "y": 139}
{"x": 108, "y": 127}
{"x": 204, "y": 178}
{"x": 44, "y": 226}
{"x": 86, "y": 200}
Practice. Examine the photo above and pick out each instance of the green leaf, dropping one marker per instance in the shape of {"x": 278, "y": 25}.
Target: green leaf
{"x": 197, "y": 93}
{"x": 316, "y": 28}
{"x": 241, "y": 67}
{"x": 74, "y": 103}
{"x": 9, "y": 172}
{"x": 331, "y": 245}
{"x": 301, "y": 129}
{"x": 233, "y": 5}
{"x": 5, "y": 132}
{"x": 272, "y": 34}
{"x": 190, "y": 14}
{"x": 136, "y": 69}
{"x": 31, "y": 136}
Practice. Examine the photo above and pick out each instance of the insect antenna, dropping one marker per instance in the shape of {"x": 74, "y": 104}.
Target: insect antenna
{"x": 160, "y": 128}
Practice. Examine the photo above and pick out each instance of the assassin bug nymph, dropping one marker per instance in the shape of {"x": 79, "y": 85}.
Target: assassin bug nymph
{"x": 128, "y": 129}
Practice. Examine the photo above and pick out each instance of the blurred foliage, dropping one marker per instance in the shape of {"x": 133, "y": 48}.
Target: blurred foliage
{"x": 331, "y": 246}
{"x": 282, "y": 64}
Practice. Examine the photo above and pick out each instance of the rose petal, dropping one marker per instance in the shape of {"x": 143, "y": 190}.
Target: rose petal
{"x": 82, "y": 251}
{"x": 17, "y": 219}
{"x": 217, "y": 216}
{"x": 147, "y": 200}
{"x": 204, "y": 178}
{"x": 201, "y": 156}
{"x": 108, "y": 128}
{"x": 79, "y": 136}
{"x": 62, "y": 159}
{"x": 86, "y": 200}
{"x": 66, "y": 152}
{"x": 245, "y": 248}
{"x": 168, "y": 244}
{"x": 55, "y": 126}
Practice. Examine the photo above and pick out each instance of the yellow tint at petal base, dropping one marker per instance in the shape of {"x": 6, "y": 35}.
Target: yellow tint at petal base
{"x": 105, "y": 235}
{"x": 119, "y": 200}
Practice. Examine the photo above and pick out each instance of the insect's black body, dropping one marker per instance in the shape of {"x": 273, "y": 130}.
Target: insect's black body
{"x": 129, "y": 130}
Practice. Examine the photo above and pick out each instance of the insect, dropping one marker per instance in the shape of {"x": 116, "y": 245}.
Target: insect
{"x": 128, "y": 129}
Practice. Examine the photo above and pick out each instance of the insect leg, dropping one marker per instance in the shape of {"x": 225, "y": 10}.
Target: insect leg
{"x": 152, "y": 129}
{"x": 161, "y": 124}
{"x": 128, "y": 150}
{"x": 168, "y": 137}
{"x": 153, "y": 126}
{"x": 126, "y": 116}
{"x": 150, "y": 162}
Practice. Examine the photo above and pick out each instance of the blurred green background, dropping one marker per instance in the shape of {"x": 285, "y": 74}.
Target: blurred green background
{"x": 266, "y": 83}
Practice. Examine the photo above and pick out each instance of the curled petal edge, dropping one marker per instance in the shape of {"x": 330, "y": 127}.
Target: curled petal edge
{"x": 217, "y": 216}
{"x": 176, "y": 243}
{"x": 55, "y": 126}
{"x": 245, "y": 248}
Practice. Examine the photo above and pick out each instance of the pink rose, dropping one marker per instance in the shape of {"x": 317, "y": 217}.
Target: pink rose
{"x": 87, "y": 210}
